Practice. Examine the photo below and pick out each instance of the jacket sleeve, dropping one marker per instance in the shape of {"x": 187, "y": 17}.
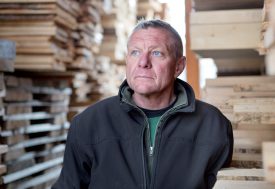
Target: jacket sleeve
{"x": 75, "y": 173}
{"x": 223, "y": 158}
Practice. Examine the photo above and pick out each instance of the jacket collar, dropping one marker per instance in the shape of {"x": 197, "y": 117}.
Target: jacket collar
{"x": 185, "y": 103}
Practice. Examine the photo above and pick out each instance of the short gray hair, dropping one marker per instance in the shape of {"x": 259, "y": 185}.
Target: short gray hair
{"x": 155, "y": 23}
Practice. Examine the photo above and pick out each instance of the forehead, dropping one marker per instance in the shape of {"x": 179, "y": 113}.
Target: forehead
{"x": 149, "y": 35}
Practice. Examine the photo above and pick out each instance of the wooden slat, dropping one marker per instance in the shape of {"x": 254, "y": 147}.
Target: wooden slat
{"x": 202, "y": 5}
{"x": 51, "y": 175}
{"x": 29, "y": 171}
{"x": 226, "y": 17}
{"x": 269, "y": 160}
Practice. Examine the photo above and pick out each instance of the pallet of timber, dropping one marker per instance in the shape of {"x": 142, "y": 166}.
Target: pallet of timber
{"x": 42, "y": 32}
{"x": 35, "y": 128}
{"x": 232, "y": 53}
{"x": 116, "y": 28}
{"x": 7, "y": 55}
{"x": 241, "y": 179}
{"x": 88, "y": 37}
{"x": 248, "y": 102}
{"x": 204, "y": 5}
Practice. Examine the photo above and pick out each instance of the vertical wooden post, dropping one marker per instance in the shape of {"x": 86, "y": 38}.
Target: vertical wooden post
{"x": 192, "y": 67}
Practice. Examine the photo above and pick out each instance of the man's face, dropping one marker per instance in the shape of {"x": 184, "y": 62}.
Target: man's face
{"x": 151, "y": 67}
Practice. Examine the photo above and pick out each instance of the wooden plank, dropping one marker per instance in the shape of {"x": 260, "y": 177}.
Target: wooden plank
{"x": 31, "y": 116}
{"x": 3, "y": 169}
{"x": 241, "y": 179}
{"x": 17, "y": 94}
{"x": 29, "y": 171}
{"x": 52, "y": 175}
{"x": 27, "y": 31}
{"x": 38, "y": 141}
{"x": 209, "y": 37}
{"x": 13, "y": 154}
{"x": 228, "y": 184}
{"x": 3, "y": 148}
{"x": 269, "y": 161}
{"x": 202, "y": 5}
{"x": 226, "y": 17}
{"x": 240, "y": 174}
{"x": 232, "y": 81}
{"x": 269, "y": 62}
{"x": 46, "y": 127}
{"x": 14, "y": 124}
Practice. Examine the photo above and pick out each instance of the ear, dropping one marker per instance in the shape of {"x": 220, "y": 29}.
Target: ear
{"x": 180, "y": 65}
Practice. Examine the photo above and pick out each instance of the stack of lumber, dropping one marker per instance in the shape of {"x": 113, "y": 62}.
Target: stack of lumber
{"x": 81, "y": 90}
{"x": 248, "y": 102}
{"x": 108, "y": 78}
{"x": 242, "y": 179}
{"x": 149, "y": 9}
{"x": 117, "y": 25}
{"x": 269, "y": 36}
{"x": 42, "y": 30}
{"x": 88, "y": 36}
{"x": 34, "y": 127}
{"x": 231, "y": 37}
{"x": 7, "y": 56}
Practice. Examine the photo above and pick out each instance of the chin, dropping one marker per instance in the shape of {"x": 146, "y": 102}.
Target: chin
{"x": 143, "y": 90}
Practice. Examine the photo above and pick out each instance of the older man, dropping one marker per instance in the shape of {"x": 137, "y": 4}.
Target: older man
{"x": 154, "y": 134}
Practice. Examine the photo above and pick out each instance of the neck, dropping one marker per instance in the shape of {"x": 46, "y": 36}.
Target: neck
{"x": 154, "y": 102}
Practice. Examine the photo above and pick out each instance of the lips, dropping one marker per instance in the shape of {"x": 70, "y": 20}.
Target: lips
{"x": 143, "y": 77}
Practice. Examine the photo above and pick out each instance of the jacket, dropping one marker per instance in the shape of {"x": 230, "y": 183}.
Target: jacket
{"x": 106, "y": 146}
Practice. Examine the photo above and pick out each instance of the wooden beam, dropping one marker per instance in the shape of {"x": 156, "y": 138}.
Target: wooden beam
{"x": 192, "y": 66}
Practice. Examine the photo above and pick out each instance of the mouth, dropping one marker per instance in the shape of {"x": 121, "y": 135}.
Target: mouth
{"x": 143, "y": 77}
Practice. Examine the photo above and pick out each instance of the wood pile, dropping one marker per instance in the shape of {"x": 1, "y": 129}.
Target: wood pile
{"x": 268, "y": 35}
{"x": 223, "y": 35}
{"x": 88, "y": 35}
{"x": 117, "y": 24}
{"x": 7, "y": 56}
{"x": 42, "y": 30}
{"x": 242, "y": 179}
{"x": 149, "y": 9}
{"x": 34, "y": 127}
{"x": 108, "y": 76}
{"x": 248, "y": 102}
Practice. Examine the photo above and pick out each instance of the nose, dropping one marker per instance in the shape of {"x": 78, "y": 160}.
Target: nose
{"x": 145, "y": 61}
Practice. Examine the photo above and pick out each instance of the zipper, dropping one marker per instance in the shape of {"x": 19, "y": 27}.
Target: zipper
{"x": 146, "y": 128}
{"x": 151, "y": 147}
{"x": 161, "y": 121}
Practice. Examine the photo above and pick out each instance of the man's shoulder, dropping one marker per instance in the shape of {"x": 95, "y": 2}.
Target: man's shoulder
{"x": 99, "y": 108}
{"x": 206, "y": 108}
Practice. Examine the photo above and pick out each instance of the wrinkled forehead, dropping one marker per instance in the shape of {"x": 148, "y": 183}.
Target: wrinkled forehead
{"x": 156, "y": 35}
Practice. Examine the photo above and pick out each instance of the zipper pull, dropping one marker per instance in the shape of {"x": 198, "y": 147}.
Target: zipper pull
{"x": 151, "y": 150}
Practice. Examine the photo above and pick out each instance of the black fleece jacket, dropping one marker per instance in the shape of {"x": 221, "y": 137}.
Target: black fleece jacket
{"x": 106, "y": 146}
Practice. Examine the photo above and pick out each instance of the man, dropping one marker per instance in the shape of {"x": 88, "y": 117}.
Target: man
{"x": 154, "y": 134}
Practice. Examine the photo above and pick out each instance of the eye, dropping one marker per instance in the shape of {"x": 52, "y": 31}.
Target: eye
{"x": 157, "y": 53}
{"x": 134, "y": 53}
